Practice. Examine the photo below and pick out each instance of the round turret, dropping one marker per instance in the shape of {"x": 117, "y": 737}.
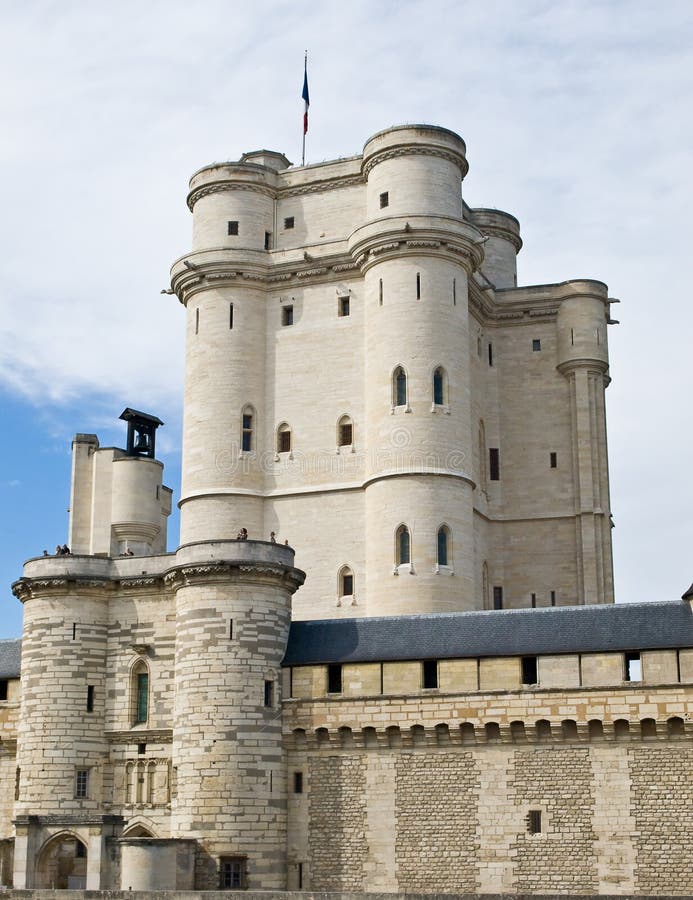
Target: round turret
{"x": 582, "y": 325}
{"x": 501, "y": 247}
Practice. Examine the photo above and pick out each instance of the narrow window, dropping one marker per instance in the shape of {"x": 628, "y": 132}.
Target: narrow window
{"x": 269, "y": 693}
{"x": 346, "y": 582}
{"x": 90, "y": 698}
{"x": 17, "y": 782}
{"x": 345, "y": 432}
{"x": 553, "y": 598}
{"x": 268, "y": 240}
{"x": 403, "y": 546}
{"x": 288, "y": 223}
{"x": 380, "y": 292}
{"x": 298, "y": 782}
{"x": 80, "y": 850}
{"x": 572, "y": 338}
{"x": 384, "y": 199}
{"x": 287, "y": 315}
{"x": 529, "y": 670}
{"x": 454, "y": 292}
{"x": 334, "y": 678}
{"x": 438, "y": 387}
{"x": 536, "y": 345}
{"x": 442, "y": 546}
{"x": 197, "y": 321}
{"x": 498, "y": 597}
{"x": 140, "y": 692}
{"x": 344, "y": 306}
{"x": 534, "y": 821}
{"x": 141, "y": 749}
{"x": 534, "y": 601}
{"x": 429, "y": 671}
{"x": 553, "y": 460}
{"x": 283, "y": 439}
{"x": 230, "y": 629}
{"x": 299, "y": 866}
{"x": 399, "y": 387}
{"x": 232, "y": 873}
{"x": 490, "y": 354}
{"x": 247, "y": 429}
{"x": 82, "y": 784}
{"x": 3, "y": 688}
{"x": 478, "y": 346}
{"x": 230, "y": 316}
{"x": 74, "y": 631}
{"x": 233, "y": 227}
{"x": 633, "y": 667}
{"x": 494, "y": 464}
{"x": 418, "y": 285}
{"x": 158, "y": 491}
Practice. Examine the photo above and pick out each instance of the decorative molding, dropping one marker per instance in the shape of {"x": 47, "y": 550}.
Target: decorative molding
{"x": 425, "y": 244}
{"x": 221, "y": 187}
{"x": 415, "y": 150}
{"x": 318, "y": 187}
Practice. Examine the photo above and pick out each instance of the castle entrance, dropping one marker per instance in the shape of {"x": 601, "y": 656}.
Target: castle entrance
{"x": 62, "y": 864}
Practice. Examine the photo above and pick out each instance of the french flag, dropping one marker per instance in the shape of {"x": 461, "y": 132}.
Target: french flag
{"x": 306, "y": 99}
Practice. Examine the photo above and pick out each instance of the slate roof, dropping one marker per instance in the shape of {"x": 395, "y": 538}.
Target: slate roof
{"x": 10, "y": 654}
{"x": 511, "y": 632}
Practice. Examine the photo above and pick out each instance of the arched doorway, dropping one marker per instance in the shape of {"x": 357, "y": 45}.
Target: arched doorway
{"x": 62, "y": 864}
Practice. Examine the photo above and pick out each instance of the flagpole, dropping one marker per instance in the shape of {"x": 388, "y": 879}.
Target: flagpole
{"x": 306, "y": 102}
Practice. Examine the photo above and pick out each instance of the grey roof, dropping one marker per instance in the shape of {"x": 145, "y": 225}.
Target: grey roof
{"x": 10, "y": 655}
{"x": 511, "y": 632}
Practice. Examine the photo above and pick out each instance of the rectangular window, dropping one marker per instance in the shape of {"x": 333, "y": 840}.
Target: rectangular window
{"x": 17, "y": 782}
{"x": 90, "y": 698}
{"x": 142, "y": 701}
{"x": 288, "y": 223}
{"x": 384, "y": 199}
{"x": 3, "y": 688}
{"x": 247, "y": 433}
{"x": 268, "y": 240}
{"x": 230, "y": 316}
{"x": 141, "y": 749}
{"x": 347, "y": 585}
{"x": 454, "y": 292}
{"x": 269, "y": 693}
{"x": 300, "y": 876}
{"x": 633, "y": 667}
{"x": 344, "y": 306}
{"x": 494, "y": 464}
{"x": 284, "y": 441}
{"x": 380, "y": 292}
{"x": 233, "y": 227}
{"x": 534, "y": 821}
{"x": 418, "y": 285}
{"x": 553, "y": 460}
{"x": 82, "y": 784}
{"x": 298, "y": 782}
{"x": 498, "y": 598}
{"x": 334, "y": 678}
{"x": 197, "y": 321}
{"x": 287, "y": 315}
{"x": 536, "y": 345}
{"x": 490, "y": 354}
{"x": 74, "y": 631}
{"x": 345, "y": 434}
{"x": 529, "y": 670}
{"x": 534, "y": 601}
{"x": 553, "y": 598}
{"x": 429, "y": 673}
{"x": 230, "y": 629}
{"x": 232, "y": 873}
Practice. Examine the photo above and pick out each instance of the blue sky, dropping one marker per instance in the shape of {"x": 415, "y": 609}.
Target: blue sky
{"x": 577, "y": 120}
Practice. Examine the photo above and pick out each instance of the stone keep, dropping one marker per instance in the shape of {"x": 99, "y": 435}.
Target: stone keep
{"x": 450, "y": 703}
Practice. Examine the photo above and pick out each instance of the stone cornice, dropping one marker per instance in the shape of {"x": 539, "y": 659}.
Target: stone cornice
{"x": 276, "y": 193}
{"x": 221, "y": 571}
{"x": 415, "y": 150}
{"x": 145, "y": 736}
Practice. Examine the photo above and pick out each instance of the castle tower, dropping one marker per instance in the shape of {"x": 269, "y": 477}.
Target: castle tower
{"x": 416, "y": 253}
{"x": 233, "y": 611}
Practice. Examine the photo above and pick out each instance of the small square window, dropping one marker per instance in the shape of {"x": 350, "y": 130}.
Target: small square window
{"x": 430, "y": 673}
{"x": 233, "y": 227}
{"x": 288, "y": 223}
{"x": 232, "y": 873}
{"x": 384, "y": 199}
{"x": 344, "y": 306}
{"x": 536, "y": 345}
{"x": 141, "y": 749}
{"x": 287, "y": 315}
{"x": 346, "y": 434}
{"x": 3, "y": 688}
{"x": 298, "y": 782}
{"x": 334, "y": 678}
{"x": 82, "y": 784}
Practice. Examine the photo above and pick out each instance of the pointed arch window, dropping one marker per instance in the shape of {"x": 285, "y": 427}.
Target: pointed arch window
{"x": 247, "y": 429}
{"x": 345, "y": 432}
{"x": 439, "y": 398}
{"x": 443, "y": 546}
{"x": 399, "y": 387}
{"x": 139, "y": 688}
{"x": 403, "y": 546}
{"x": 283, "y": 438}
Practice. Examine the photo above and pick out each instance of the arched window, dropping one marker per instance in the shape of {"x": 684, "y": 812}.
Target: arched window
{"x": 346, "y": 582}
{"x": 247, "y": 429}
{"x": 399, "y": 387}
{"x": 443, "y": 546}
{"x": 439, "y": 398}
{"x": 345, "y": 432}
{"x": 403, "y": 548}
{"x": 140, "y": 692}
{"x": 283, "y": 438}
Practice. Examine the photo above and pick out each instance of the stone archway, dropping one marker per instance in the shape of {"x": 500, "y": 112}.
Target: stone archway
{"x": 137, "y": 831}
{"x": 62, "y": 864}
